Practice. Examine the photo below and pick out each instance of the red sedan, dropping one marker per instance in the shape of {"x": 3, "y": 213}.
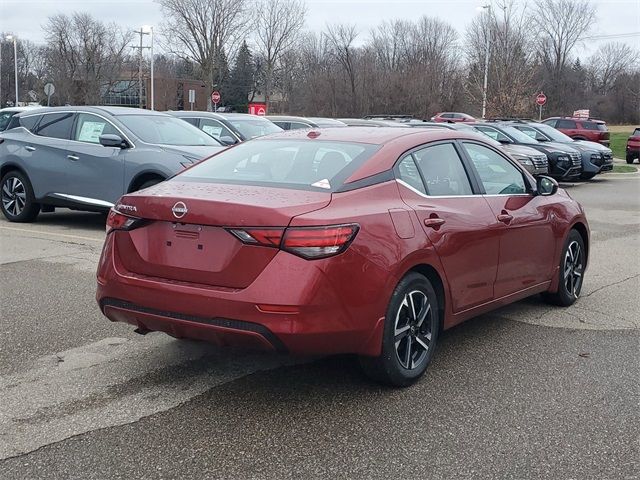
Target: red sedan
{"x": 359, "y": 240}
{"x": 452, "y": 117}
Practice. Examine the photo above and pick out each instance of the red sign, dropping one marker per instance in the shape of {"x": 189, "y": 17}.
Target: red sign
{"x": 215, "y": 97}
{"x": 541, "y": 99}
{"x": 258, "y": 108}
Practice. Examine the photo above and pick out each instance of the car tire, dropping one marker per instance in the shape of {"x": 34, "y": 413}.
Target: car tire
{"x": 410, "y": 334}
{"x": 630, "y": 159}
{"x": 18, "y": 202}
{"x": 572, "y": 265}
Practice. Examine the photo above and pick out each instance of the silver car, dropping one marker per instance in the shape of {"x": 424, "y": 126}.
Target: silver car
{"x": 86, "y": 158}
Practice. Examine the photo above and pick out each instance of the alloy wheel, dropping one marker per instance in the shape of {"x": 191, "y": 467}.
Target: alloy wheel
{"x": 573, "y": 269}
{"x": 14, "y": 196}
{"x": 412, "y": 332}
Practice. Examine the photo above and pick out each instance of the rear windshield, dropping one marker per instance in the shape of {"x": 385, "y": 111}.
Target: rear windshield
{"x": 299, "y": 164}
{"x": 254, "y": 127}
{"x": 166, "y": 130}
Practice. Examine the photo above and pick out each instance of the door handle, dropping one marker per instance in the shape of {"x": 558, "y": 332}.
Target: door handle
{"x": 29, "y": 148}
{"x": 434, "y": 222}
{"x": 73, "y": 157}
{"x": 504, "y": 217}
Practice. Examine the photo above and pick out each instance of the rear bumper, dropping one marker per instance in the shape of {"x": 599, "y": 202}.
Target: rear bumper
{"x": 321, "y": 314}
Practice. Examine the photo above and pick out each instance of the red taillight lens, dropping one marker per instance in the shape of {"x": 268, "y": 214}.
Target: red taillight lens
{"x": 318, "y": 242}
{"x": 306, "y": 242}
{"x": 119, "y": 221}
{"x": 267, "y": 237}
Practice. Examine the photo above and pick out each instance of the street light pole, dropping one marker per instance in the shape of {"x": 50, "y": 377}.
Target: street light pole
{"x": 486, "y": 61}
{"x": 140, "y": 32}
{"x": 149, "y": 30}
{"x": 15, "y": 62}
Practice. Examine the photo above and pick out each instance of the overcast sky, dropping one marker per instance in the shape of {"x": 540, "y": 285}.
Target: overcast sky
{"x": 26, "y": 17}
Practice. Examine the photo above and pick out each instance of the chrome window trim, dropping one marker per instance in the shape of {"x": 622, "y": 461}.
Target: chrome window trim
{"x": 476, "y": 195}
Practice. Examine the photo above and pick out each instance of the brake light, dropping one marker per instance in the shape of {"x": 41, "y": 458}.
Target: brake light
{"x": 266, "y": 237}
{"x": 318, "y": 242}
{"x": 120, "y": 221}
{"x": 306, "y": 242}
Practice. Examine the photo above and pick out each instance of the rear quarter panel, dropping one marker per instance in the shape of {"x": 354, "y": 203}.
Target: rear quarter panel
{"x": 369, "y": 270}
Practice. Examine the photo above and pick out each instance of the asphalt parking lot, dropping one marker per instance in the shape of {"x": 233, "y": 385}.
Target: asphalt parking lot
{"x": 528, "y": 391}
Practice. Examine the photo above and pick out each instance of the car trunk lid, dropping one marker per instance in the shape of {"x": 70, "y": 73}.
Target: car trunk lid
{"x": 185, "y": 239}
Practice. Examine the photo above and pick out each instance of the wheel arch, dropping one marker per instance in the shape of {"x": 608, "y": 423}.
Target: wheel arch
{"x": 8, "y": 167}
{"x": 144, "y": 176}
{"x": 581, "y": 228}
{"x": 436, "y": 280}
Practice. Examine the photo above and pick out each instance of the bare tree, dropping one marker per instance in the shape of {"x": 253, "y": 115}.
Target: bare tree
{"x": 341, "y": 38}
{"x": 84, "y": 56}
{"x": 609, "y": 61}
{"x": 278, "y": 24}
{"x": 561, "y": 24}
{"x": 512, "y": 59}
{"x": 204, "y": 31}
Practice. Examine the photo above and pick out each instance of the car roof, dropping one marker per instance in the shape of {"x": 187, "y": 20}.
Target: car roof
{"x": 241, "y": 116}
{"x": 370, "y": 135}
{"x": 115, "y": 111}
{"x": 20, "y": 109}
{"x": 288, "y": 118}
{"x": 193, "y": 113}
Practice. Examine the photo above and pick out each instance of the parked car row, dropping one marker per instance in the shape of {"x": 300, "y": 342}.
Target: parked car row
{"x": 87, "y": 157}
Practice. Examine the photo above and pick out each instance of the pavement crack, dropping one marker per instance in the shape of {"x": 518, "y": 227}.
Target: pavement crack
{"x": 613, "y": 284}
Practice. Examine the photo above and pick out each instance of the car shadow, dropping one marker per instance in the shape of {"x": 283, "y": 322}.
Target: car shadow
{"x": 73, "y": 219}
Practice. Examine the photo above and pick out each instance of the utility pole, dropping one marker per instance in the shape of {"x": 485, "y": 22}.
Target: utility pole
{"x": 140, "y": 48}
{"x": 486, "y": 61}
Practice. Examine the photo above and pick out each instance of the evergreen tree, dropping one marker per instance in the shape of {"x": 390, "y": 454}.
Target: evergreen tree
{"x": 241, "y": 80}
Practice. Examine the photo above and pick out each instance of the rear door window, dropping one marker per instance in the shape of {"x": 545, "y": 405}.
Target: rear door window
{"x": 192, "y": 121}
{"x": 594, "y": 126}
{"x": 497, "y": 174}
{"x": 298, "y": 126}
{"x": 567, "y": 124}
{"x": 215, "y": 128}
{"x": 494, "y": 134}
{"x": 442, "y": 170}
{"x": 407, "y": 171}
{"x": 55, "y": 125}
{"x": 89, "y": 128}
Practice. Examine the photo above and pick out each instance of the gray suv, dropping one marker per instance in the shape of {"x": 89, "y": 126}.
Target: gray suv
{"x": 85, "y": 158}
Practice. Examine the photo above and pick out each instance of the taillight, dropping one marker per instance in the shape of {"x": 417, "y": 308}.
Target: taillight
{"x": 306, "y": 242}
{"x": 120, "y": 221}
{"x": 266, "y": 237}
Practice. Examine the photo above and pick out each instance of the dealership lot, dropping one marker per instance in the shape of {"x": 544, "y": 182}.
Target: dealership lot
{"x": 528, "y": 391}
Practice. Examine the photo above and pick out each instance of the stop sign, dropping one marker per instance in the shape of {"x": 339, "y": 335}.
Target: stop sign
{"x": 541, "y": 99}
{"x": 215, "y": 96}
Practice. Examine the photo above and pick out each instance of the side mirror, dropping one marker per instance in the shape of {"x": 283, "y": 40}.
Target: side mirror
{"x": 504, "y": 141}
{"x": 546, "y": 185}
{"x": 112, "y": 140}
{"x": 540, "y": 138}
{"x": 228, "y": 140}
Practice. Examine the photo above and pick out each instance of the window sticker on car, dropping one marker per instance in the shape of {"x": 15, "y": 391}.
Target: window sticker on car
{"x": 91, "y": 131}
{"x": 324, "y": 183}
{"x": 211, "y": 130}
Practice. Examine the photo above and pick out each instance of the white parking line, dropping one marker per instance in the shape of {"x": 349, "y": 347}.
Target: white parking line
{"x": 52, "y": 234}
